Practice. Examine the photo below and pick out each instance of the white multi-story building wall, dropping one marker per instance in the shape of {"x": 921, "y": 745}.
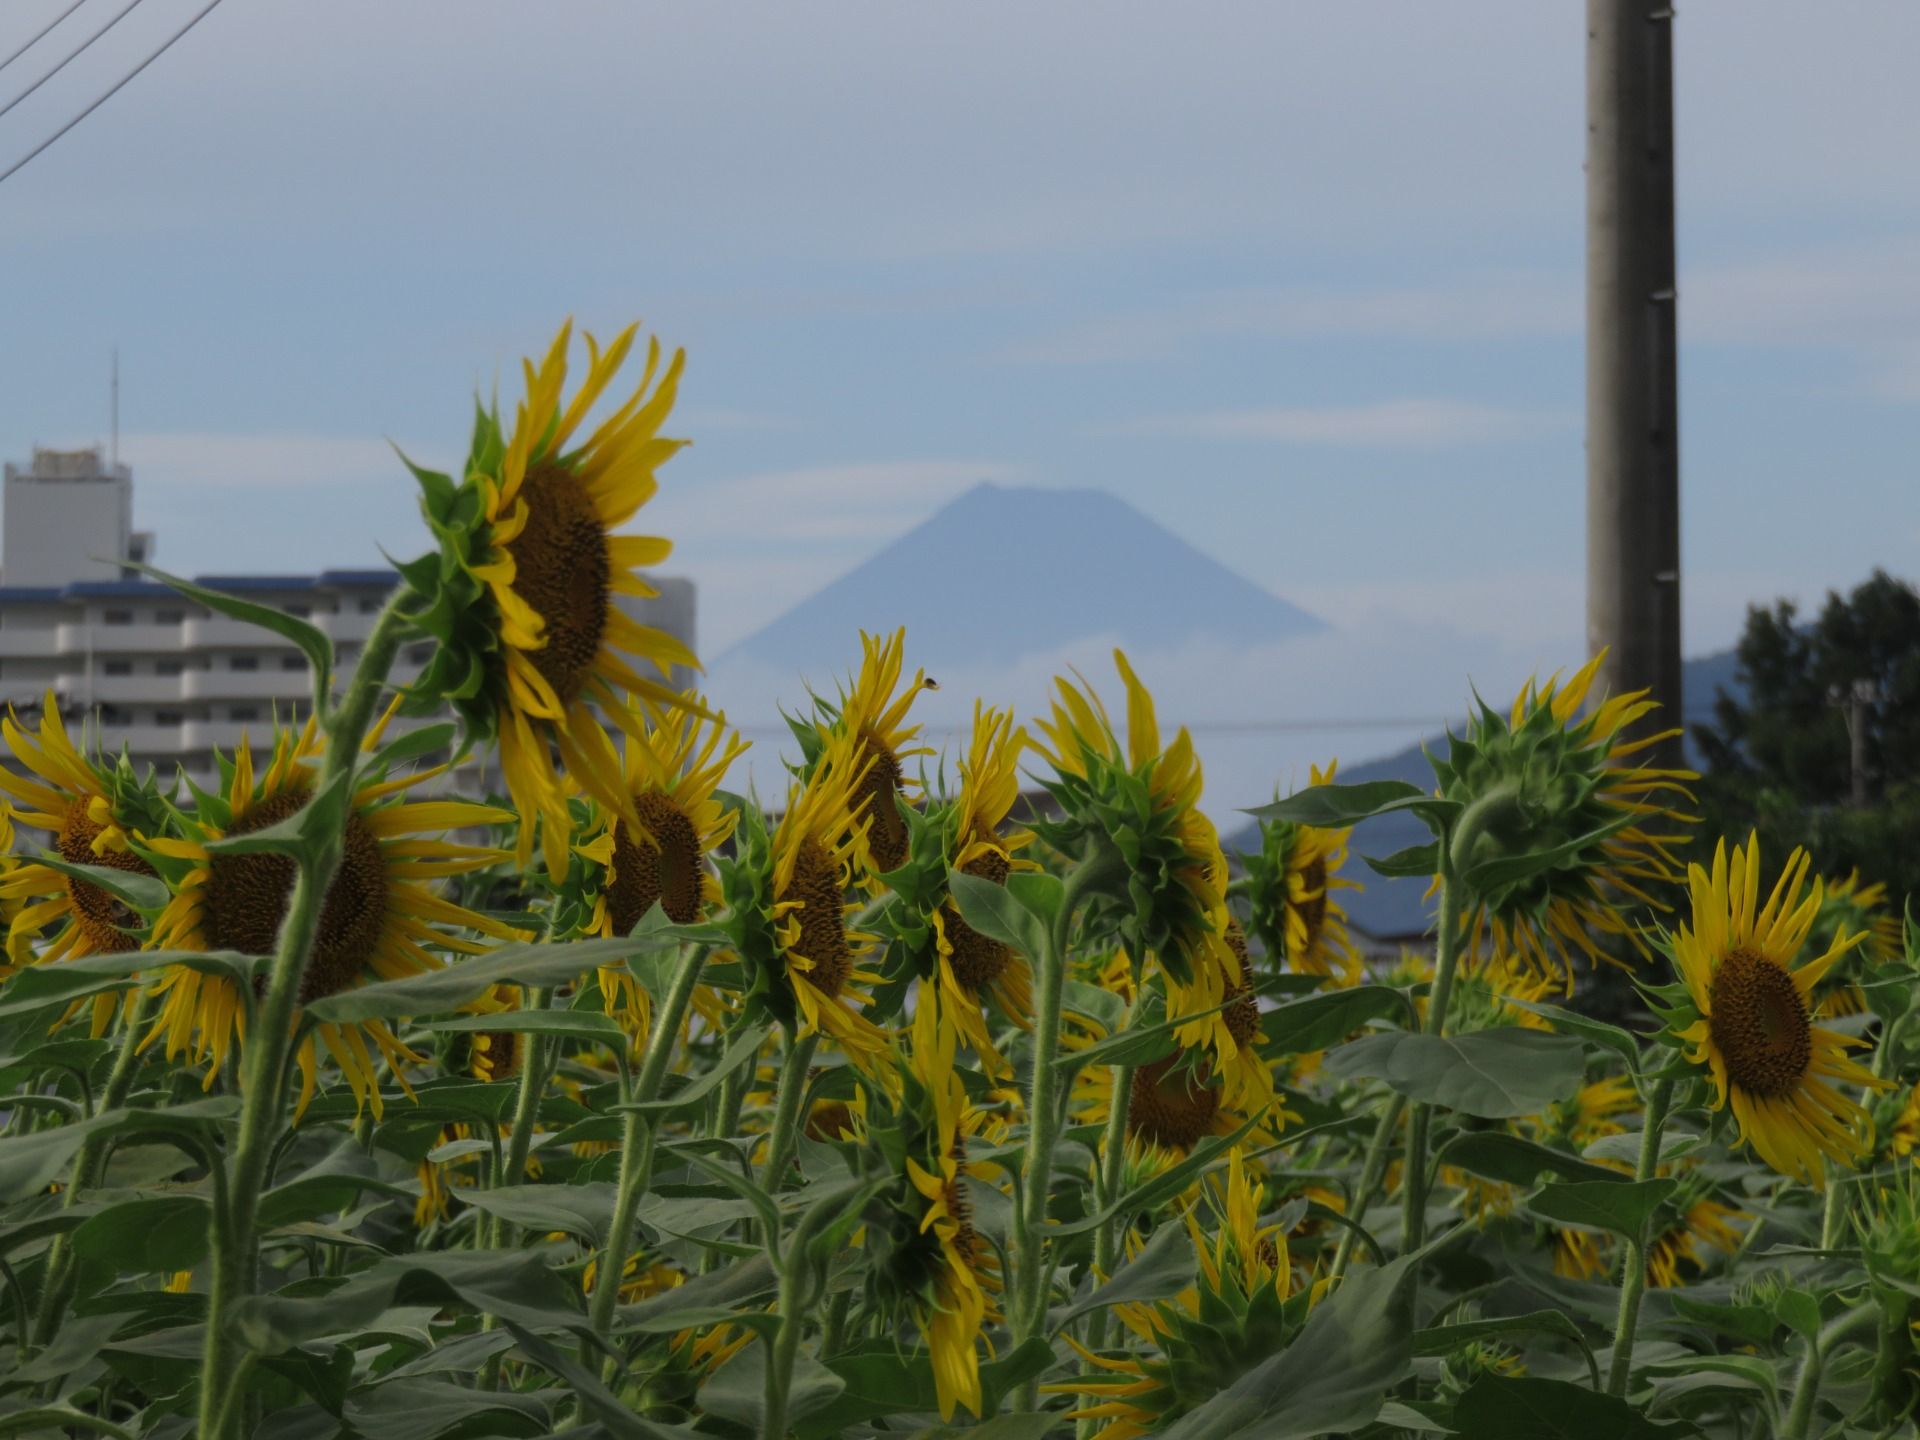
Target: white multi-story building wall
{"x": 139, "y": 667}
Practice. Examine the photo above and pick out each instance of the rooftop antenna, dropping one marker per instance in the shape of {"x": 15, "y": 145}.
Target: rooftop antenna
{"x": 116, "y": 405}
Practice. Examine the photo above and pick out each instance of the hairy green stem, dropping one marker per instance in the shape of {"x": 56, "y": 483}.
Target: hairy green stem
{"x": 785, "y": 1136}
{"x": 1633, "y": 1277}
{"x": 637, "y": 1139}
{"x": 1806, "y": 1389}
{"x": 88, "y": 1166}
{"x": 526, "y": 1106}
{"x": 264, "y": 1061}
{"x": 1112, "y": 1174}
{"x": 1372, "y": 1170}
{"x": 1413, "y": 1178}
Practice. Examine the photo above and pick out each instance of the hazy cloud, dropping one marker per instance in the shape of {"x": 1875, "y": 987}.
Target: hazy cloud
{"x": 1395, "y": 424}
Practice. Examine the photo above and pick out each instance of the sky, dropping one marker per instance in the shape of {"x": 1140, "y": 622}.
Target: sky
{"x": 1302, "y": 282}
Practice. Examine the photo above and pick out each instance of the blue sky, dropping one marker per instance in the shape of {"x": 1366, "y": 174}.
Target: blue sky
{"x": 1301, "y": 281}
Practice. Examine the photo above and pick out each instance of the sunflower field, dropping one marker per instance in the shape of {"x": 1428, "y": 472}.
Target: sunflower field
{"x": 926, "y": 1095}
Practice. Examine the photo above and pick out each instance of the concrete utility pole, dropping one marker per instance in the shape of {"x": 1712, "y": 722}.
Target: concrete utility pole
{"x": 1633, "y": 449}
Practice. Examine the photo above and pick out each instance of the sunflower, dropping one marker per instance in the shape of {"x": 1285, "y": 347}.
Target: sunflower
{"x": 1851, "y": 906}
{"x": 532, "y": 638}
{"x": 1743, "y": 1011}
{"x": 378, "y": 917}
{"x": 90, "y": 811}
{"x": 973, "y": 967}
{"x": 1142, "y": 802}
{"x": 786, "y": 908}
{"x": 875, "y": 717}
{"x": 1290, "y": 891}
{"x": 953, "y": 1306}
{"x": 671, "y": 773}
{"x": 1242, "y": 1308}
{"x": 1903, "y": 1136}
{"x": 1573, "y": 786}
{"x": 1590, "y": 1115}
{"x": 1700, "y": 1221}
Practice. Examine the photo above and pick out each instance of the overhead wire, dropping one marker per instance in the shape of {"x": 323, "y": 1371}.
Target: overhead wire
{"x": 72, "y": 55}
{"x": 41, "y": 33}
{"x": 108, "y": 94}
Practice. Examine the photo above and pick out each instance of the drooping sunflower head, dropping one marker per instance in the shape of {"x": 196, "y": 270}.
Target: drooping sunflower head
{"x": 937, "y": 1267}
{"x": 871, "y": 711}
{"x": 1141, "y": 801}
{"x": 1544, "y": 782}
{"x": 524, "y": 592}
{"x": 960, "y": 968}
{"x": 1290, "y": 885}
{"x": 381, "y": 917}
{"x": 1743, "y": 1010}
{"x": 787, "y": 907}
{"x": 1592, "y": 1114}
{"x": 90, "y": 810}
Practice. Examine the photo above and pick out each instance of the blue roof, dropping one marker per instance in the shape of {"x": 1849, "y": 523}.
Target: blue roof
{"x": 151, "y": 589}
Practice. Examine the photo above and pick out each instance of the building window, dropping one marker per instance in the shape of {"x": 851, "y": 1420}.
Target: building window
{"x": 168, "y": 667}
{"x": 243, "y": 662}
{"x": 112, "y": 715}
{"x": 118, "y": 667}
{"x": 169, "y": 717}
{"x": 369, "y": 606}
{"x": 244, "y": 712}
{"x": 169, "y": 617}
{"x": 293, "y": 662}
{"x": 117, "y": 617}
{"x": 302, "y": 611}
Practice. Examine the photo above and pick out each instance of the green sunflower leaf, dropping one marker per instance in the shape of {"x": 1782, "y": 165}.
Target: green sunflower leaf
{"x": 307, "y": 637}
{"x": 147, "y": 1236}
{"x": 744, "y": 1047}
{"x": 147, "y": 894}
{"x": 588, "y": 1025}
{"x": 1624, "y": 1207}
{"x": 583, "y": 1209}
{"x": 1495, "y": 1156}
{"x": 1163, "y": 1267}
{"x": 1333, "y": 807}
{"x": 437, "y": 992}
{"x": 32, "y": 1161}
{"x": 1622, "y": 1042}
{"x": 1001, "y": 913}
{"x": 1445, "y": 1338}
{"x": 1500, "y": 1407}
{"x": 1493, "y": 1074}
{"x": 1300, "y": 1027}
{"x": 1416, "y": 862}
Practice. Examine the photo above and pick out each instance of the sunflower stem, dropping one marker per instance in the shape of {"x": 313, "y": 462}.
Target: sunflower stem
{"x": 1806, "y": 1389}
{"x": 86, "y": 1169}
{"x": 1413, "y": 1180}
{"x": 526, "y": 1105}
{"x": 1043, "y": 1106}
{"x": 636, "y": 1139}
{"x": 1633, "y": 1277}
{"x": 264, "y": 1060}
{"x": 1372, "y": 1171}
{"x": 1113, "y": 1161}
{"x": 785, "y": 1136}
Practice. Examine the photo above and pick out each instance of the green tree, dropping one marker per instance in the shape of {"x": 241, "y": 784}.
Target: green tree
{"x": 1779, "y": 756}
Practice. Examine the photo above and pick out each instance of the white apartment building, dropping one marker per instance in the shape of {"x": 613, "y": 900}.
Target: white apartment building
{"x": 139, "y": 667}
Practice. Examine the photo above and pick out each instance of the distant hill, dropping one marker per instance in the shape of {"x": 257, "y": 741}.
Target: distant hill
{"x": 963, "y": 583}
{"x": 1389, "y": 908}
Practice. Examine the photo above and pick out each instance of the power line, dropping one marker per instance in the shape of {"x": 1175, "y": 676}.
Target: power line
{"x": 118, "y": 85}
{"x": 42, "y": 34}
{"x": 72, "y": 56}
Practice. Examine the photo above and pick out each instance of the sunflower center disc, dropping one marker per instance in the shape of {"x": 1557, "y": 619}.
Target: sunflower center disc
{"x": 561, "y": 569}
{"x": 246, "y": 899}
{"x": 829, "y": 1119}
{"x": 668, "y": 871}
{"x": 823, "y": 933}
{"x": 1241, "y": 1013}
{"x": 98, "y": 914}
{"x": 1313, "y": 909}
{"x": 960, "y": 1206}
{"x": 887, "y": 833}
{"x": 977, "y": 960}
{"x": 1759, "y": 1024}
{"x": 1171, "y": 1109}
